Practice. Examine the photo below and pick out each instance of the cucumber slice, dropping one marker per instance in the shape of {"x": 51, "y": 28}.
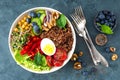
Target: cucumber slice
{"x": 42, "y": 17}
{"x": 37, "y": 20}
{"x": 41, "y": 11}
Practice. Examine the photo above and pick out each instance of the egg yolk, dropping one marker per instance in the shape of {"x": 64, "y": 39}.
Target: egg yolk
{"x": 48, "y": 49}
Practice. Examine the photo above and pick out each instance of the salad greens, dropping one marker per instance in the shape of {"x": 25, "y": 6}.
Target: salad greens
{"x": 27, "y": 62}
{"x": 40, "y": 59}
{"x": 61, "y": 22}
{"x": 105, "y": 29}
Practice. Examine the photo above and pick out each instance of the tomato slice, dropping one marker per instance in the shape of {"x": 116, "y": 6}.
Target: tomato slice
{"x": 57, "y": 63}
{"x": 49, "y": 61}
{"x": 60, "y": 54}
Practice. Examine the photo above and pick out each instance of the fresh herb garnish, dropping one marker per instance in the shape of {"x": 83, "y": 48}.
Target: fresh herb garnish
{"x": 40, "y": 59}
{"x": 105, "y": 29}
{"x": 61, "y": 22}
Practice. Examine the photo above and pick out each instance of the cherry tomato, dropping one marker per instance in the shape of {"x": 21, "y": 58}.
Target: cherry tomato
{"x": 60, "y": 54}
{"x": 49, "y": 61}
{"x": 57, "y": 63}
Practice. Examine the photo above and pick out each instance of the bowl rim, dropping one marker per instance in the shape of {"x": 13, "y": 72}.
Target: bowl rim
{"x": 54, "y": 68}
{"x": 96, "y": 17}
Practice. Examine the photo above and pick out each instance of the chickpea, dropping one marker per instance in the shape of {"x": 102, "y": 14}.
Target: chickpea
{"x": 25, "y": 23}
{"x": 16, "y": 29}
{"x": 23, "y": 26}
{"x": 27, "y": 27}
{"x": 25, "y": 18}
{"x": 22, "y": 20}
{"x": 19, "y": 23}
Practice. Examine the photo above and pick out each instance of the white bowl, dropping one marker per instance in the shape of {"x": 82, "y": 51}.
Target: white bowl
{"x": 69, "y": 54}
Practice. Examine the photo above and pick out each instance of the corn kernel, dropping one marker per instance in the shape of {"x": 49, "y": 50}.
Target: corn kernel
{"x": 114, "y": 57}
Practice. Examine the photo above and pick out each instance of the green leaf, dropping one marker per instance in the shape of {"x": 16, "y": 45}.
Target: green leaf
{"x": 61, "y": 22}
{"x": 105, "y": 29}
{"x": 40, "y": 59}
{"x": 20, "y": 58}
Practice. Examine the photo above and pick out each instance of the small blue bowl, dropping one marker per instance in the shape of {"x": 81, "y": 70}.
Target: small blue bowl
{"x": 105, "y": 17}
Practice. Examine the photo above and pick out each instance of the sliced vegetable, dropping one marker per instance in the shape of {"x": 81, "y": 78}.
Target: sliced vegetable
{"x": 37, "y": 20}
{"x": 49, "y": 61}
{"x": 57, "y": 63}
{"x": 60, "y": 54}
{"x": 42, "y": 17}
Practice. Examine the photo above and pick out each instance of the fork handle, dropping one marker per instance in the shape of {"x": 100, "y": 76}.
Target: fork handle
{"x": 96, "y": 56}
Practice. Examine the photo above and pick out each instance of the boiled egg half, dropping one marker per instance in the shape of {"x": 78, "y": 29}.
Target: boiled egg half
{"x": 48, "y": 47}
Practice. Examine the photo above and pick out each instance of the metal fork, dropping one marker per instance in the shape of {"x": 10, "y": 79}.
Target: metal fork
{"x": 79, "y": 22}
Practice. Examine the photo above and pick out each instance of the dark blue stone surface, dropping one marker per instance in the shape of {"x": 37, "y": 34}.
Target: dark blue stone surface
{"x": 10, "y": 9}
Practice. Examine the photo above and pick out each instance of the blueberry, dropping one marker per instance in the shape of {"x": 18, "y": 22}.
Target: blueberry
{"x": 101, "y": 15}
{"x": 93, "y": 69}
{"x": 79, "y": 59}
{"x": 34, "y": 23}
{"x": 97, "y": 19}
{"x": 38, "y": 15}
{"x": 102, "y": 22}
{"x": 111, "y": 24}
{"x": 110, "y": 14}
{"x": 84, "y": 64}
{"x": 85, "y": 73}
{"x": 113, "y": 18}
{"x": 33, "y": 14}
{"x": 108, "y": 17}
{"x": 36, "y": 29}
{"x": 110, "y": 20}
{"x": 105, "y": 12}
{"x": 28, "y": 20}
{"x": 107, "y": 49}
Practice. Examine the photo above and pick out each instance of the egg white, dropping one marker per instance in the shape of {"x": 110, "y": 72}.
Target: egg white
{"x": 45, "y": 42}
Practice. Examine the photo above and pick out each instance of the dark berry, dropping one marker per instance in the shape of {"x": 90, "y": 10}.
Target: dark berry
{"x": 36, "y": 29}
{"x": 113, "y": 18}
{"x": 34, "y": 23}
{"x": 111, "y": 24}
{"x": 84, "y": 64}
{"x": 107, "y": 49}
{"x": 33, "y": 14}
{"x": 28, "y": 20}
{"x": 97, "y": 19}
{"x": 38, "y": 15}
{"x": 102, "y": 22}
{"x": 79, "y": 59}
{"x": 105, "y": 12}
{"x": 101, "y": 15}
{"x": 108, "y": 17}
{"x": 93, "y": 69}
{"x": 85, "y": 73}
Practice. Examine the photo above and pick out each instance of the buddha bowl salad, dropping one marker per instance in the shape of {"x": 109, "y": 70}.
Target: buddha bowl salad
{"x": 41, "y": 40}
